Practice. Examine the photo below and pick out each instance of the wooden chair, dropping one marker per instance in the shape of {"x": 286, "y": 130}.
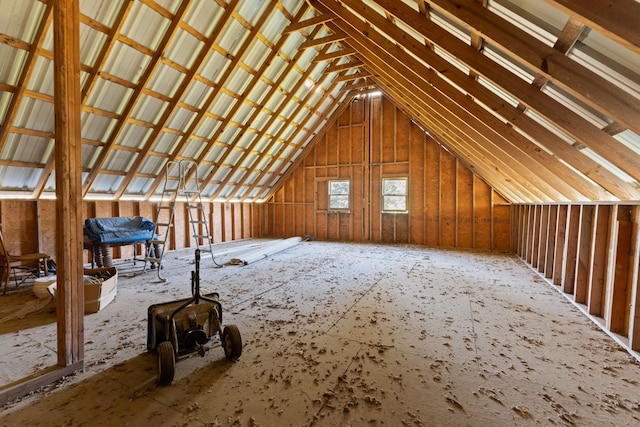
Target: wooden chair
{"x": 36, "y": 263}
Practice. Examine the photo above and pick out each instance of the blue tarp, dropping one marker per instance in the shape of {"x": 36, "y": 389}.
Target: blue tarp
{"x": 119, "y": 229}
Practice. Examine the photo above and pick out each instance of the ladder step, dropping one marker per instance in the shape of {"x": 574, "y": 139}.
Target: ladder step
{"x": 164, "y": 207}
{"x": 152, "y": 259}
{"x": 198, "y": 222}
{"x": 196, "y": 207}
{"x": 205, "y": 250}
{"x": 157, "y": 242}
{"x": 163, "y": 224}
{"x": 201, "y": 236}
{"x": 190, "y": 191}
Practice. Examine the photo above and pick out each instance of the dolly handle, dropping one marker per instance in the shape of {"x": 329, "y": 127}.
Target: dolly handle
{"x": 196, "y": 277}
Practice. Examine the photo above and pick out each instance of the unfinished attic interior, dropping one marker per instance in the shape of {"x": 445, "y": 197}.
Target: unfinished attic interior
{"x": 499, "y": 127}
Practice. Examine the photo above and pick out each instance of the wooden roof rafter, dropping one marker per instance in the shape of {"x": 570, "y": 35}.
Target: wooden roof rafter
{"x": 210, "y": 99}
{"x": 560, "y": 115}
{"x": 516, "y": 118}
{"x": 274, "y": 88}
{"x": 485, "y": 126}
{"x": 135, "y": 97}
{"x": 27, "y": 69}
{"x": 276, "y": 175}
{"x": 336, "y": 54}
{"x": 315, "y": 137}
{"x": 616, "y": 19}
{"x": 583, "y": 83}
{"x": 275, "y": 116}
{"x": 218, "y": 88}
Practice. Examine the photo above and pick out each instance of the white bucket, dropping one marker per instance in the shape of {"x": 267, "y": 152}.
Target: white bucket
{"x": 41, "y": 285}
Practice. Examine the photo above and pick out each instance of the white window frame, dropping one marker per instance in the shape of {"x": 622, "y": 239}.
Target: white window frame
{"x": 339, "y": 196}
{"x": 387, "y": 195}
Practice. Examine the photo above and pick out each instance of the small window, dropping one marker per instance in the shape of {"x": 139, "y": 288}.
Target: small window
{"x": 394, "y": 194}
{"x": 339, "y": 195}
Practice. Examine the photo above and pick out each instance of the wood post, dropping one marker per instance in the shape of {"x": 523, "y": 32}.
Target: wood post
{"x": 617, "y": 315}
{"x": 634, "y": 321}
{"x": 551, "y": 241}
{"x": 582, "y": 255}
{"x": 561, "y": 238}
{"x": 543, "y": 240}
{"x": 68, "y": 163}
{"x": 598, "y": 260}
{"x": 571, "y": 249}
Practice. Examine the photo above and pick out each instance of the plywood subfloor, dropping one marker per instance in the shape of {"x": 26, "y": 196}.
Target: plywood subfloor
{"x": 346, "y": 334}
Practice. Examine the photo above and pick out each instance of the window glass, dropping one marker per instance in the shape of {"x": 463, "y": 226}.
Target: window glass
{"x": 394, "y": 194}
{"x": 339, "y": 195}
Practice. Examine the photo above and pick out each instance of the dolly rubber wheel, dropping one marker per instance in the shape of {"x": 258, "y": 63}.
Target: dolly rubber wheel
{"x": 166, "y": 363}
{"x": 231, "y": 342}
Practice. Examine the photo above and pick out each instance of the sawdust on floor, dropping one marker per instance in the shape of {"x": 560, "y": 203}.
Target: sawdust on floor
{"x": 338, "y": 334}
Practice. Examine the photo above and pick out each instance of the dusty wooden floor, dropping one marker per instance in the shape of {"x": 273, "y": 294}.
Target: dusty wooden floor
{"x": 343, "y": 334}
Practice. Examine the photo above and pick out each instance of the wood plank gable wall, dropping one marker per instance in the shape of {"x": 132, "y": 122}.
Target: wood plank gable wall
{"x": 372, "y": 139}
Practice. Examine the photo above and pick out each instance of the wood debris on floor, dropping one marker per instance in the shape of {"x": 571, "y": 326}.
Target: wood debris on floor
{"x": 344, "y": 334}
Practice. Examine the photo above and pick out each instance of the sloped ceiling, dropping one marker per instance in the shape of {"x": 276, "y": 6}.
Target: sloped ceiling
{"x": 540, "y": 98}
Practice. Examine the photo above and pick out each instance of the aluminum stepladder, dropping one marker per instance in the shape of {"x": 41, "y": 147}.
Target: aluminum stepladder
{"x": 175, "y": 191}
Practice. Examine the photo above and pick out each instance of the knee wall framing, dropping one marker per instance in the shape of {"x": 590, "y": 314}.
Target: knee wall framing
{"x": 591, "y": 253}
{"x": 29, "y": 225}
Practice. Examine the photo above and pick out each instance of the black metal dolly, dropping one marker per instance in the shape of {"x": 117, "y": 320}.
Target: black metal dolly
{"x": 178, "y": 329}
